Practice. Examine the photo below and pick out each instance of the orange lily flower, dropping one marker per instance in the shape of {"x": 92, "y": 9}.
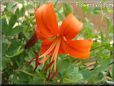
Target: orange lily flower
{"x": 58, "y": 39}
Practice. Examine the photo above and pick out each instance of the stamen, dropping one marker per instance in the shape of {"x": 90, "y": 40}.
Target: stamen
{"x": 36, "y": 62}
{"x": 49, "y": 65}
{"x": 48, "y": 77}
{"x": 56, "y": 52}
{"x": 55, "y": 45}
{"x": 54, "y": 56}
{"x": 45, "y": 58}
{"x": 64, "y": 38}
{"x": 56, "y": 49}
{"x": 33, "y": 59}
{"x": 54, "y": 74}
{"x": 49, "y": 50}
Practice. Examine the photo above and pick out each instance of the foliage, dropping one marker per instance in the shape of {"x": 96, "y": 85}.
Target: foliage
{"x": 18, "y": 25}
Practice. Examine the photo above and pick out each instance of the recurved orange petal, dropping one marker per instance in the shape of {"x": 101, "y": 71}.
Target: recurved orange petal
{"x": 70, "y": 27}
{"x": 77, "y": 48}
{"x": 46, "y": 21}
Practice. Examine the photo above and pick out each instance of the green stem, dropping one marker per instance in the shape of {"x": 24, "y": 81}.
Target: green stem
{"x": 27, "y": 73}
{"x": 97, "y": 47}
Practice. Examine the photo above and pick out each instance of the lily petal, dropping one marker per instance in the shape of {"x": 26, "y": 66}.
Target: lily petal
{"x": 70, "y": 27}
{"x": 77, "y": 48}
{"x": 46, "y": 21}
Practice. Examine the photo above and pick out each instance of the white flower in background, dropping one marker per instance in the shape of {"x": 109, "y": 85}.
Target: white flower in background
{"x": 111, "y": 43}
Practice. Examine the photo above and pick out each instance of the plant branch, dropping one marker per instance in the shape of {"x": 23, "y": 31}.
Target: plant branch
{"x": 27, "y": 73}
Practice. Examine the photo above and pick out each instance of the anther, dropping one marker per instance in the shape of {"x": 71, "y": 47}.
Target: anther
{"x": 49, "y": 65}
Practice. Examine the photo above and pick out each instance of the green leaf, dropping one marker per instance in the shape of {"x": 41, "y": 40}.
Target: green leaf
{"x": 109, "y": 24}
{"x": 0, "y": 51}
{"x": 4, "y": 23}
{"x": 55, "y": 4}
{"x": 20, "y": 1}
{"x": 5, "y": 29}
{"x": 16, "y": 30}
{"x": 12, "y": 21}
{"x": 39, "y": 78}
{"x": 67, "y": 9}
{"x": 10, "y": 6}
{"x": 24, "y": 78}
{"x": 96, "y": 10}
{"x": 85, "y": 8}
{"x": 20, "y": 12}
{"x": 59, "y": 12}
{"x": 94, "y": 75}
{"x": 14, "y": 79}
{"x": 72, "y": 76}
{"x": 14, "y": 49}
{"x": 104, "y": 1}
{"x": 87, "y": 30}
{"x": 113, "y": 73}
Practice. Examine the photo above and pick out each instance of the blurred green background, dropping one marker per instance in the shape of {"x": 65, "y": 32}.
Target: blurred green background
{"x": 18, "y": 24}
